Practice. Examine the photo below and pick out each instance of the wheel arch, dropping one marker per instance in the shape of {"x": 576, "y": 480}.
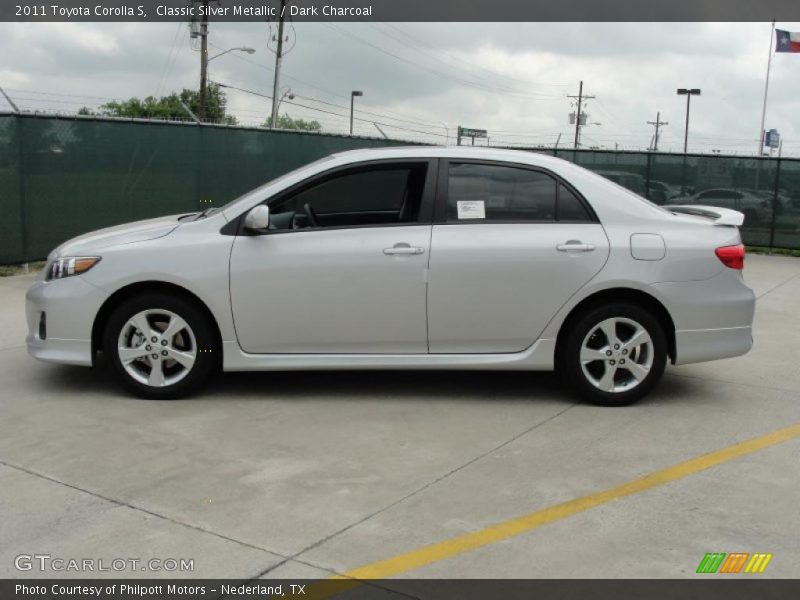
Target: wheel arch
{"x": 130, "y": 290}
{"x": 621, "y": 294}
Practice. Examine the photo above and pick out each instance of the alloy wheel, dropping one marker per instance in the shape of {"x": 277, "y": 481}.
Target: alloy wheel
{"x": 616, "y": 355}
{"x": 156, "y": 347}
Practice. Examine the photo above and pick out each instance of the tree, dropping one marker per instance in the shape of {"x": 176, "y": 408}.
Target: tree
{"x": 287, "y": 122}
{"x": 169, "y": 107}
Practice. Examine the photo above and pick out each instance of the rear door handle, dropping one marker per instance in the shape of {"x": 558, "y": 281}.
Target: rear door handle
{"x": 403, "y": 249}
{"x": 575, "y": 247}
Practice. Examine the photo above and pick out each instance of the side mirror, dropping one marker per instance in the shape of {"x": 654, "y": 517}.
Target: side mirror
{"x": 257, "y": 219}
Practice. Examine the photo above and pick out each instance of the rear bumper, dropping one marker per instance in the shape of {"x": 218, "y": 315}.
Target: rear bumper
{"x": 70, "y": 306}
{"x": 699, "y": 345}
{"x": 713, "y": 318}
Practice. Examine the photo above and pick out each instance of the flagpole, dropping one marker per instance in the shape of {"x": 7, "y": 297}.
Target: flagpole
{"x": 766, "y": 92}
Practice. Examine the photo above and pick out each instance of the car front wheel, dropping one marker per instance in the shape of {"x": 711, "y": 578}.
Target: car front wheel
{"x": 614, "y": 354}
{"x": 160, "y": 347}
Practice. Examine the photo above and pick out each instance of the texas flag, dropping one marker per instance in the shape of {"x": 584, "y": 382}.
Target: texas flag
{"x": 787, "y": 41}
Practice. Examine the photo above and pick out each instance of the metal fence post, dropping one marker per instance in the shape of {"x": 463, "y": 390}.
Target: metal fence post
{"x": 199, "y": 181}
{"x": 774, "y": 205}
{"x": 23, "y": 209}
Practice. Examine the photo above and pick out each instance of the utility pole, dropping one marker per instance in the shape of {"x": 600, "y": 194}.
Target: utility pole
{"x": 580, "y": 98}
{"x": 658, "y": 123}
{"x": 278, "y": 56}
{"x": 203, "y": 102}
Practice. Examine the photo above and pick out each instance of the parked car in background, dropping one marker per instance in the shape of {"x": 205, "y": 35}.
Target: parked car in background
{"x": 754, "y": 205}
{"x": 632, "y": 181}
{"x": 660, "y": 192}
{"x": 405, "y": 258}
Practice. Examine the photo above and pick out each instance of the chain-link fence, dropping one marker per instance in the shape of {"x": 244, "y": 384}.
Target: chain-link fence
{"x": 63, "y": 176}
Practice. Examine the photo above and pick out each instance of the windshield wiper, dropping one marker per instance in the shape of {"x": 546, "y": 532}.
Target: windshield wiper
{"x": 207, "y": 212}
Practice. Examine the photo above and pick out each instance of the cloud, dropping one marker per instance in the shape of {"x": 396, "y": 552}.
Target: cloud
{"x": 510, "y": 78}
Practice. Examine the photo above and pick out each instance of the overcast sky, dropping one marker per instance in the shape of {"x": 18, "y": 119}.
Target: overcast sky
{"x": 511, "y": 79}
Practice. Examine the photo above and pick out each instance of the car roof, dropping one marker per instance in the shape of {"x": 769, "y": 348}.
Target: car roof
{"x": 481, "y": 153}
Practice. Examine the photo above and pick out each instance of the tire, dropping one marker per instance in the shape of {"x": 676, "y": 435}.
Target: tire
{"x": 604, "y": 374}
{"x": 184, "y": 358}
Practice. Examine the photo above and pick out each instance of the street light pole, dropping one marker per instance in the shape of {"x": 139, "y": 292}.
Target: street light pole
{"x": 202, "y": 107}
{"x": 240, "y": 49}
{"x": 353, "y": 95}
{"x": 287, "y": 94}
{"x": 688, "y": 92}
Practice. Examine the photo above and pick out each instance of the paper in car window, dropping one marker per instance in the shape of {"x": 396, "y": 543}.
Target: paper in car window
{"x": 471, "y": 209}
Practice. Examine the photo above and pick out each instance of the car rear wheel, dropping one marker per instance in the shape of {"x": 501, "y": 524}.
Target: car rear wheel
{"x": 614, "y": 354}
{"x": 160, "y": 347}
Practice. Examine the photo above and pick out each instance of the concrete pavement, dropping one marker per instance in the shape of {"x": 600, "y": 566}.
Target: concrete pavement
{"x": 312, "y": 474}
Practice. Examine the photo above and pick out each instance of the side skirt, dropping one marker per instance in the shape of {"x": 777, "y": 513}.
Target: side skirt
{"x": 537, "y": 357}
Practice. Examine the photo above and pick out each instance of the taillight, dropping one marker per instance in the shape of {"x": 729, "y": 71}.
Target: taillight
{"x": 731, "y": 256}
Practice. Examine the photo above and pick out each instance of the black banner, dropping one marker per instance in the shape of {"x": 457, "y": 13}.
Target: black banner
{"x": 710, "y": 588}
{"x": 401, "y": 10}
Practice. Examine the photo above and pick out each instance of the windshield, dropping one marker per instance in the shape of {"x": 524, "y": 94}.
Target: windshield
{"x": 268, "y": 183}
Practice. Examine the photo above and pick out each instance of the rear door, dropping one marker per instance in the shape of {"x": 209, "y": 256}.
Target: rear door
{"x": 510, "y": 245}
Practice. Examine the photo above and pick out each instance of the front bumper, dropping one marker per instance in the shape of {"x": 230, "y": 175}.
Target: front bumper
{"x": 70, "y": 306}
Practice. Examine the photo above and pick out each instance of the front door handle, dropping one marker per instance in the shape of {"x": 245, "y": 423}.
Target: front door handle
{"x": 575, "y": 246}
{"x": 403, "y": 249}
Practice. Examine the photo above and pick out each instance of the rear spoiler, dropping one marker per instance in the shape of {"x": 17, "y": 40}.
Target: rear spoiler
{"x": 720, "y": 216}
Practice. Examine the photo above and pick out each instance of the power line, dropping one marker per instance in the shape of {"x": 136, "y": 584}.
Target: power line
{"x": 328, "y": 111}
{"x": 170, "y": 58}
{"x": 60, "y": 94}
{"x": 366, "y": 112}
{"x": 470, "y": 65}
{"x": 485, "y": 88}
{"x": 321, "y": 89}
{"x": 431, "y": 56}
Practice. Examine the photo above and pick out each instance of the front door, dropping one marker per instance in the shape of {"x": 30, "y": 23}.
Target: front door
{"x": 342, "y": 269}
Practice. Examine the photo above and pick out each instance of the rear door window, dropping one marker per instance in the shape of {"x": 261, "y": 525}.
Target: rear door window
{"x": 506, "y": 194}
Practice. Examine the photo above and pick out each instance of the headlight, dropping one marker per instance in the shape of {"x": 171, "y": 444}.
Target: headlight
{"x": 70, "y": 265}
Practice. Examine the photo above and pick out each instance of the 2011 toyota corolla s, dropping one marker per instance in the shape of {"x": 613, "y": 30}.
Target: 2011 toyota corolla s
{"x": 405, "y": 258}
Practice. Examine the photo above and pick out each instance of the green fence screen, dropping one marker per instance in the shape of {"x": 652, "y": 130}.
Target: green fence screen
{"x": 766, "y": 190}
{"x": 63, "y": 176}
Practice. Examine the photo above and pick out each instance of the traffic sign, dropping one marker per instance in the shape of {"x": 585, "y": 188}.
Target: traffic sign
{"x": 472, "y": 133}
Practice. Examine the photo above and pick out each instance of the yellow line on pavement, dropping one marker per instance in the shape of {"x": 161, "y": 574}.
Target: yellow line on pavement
{"x": 426, "y": 555}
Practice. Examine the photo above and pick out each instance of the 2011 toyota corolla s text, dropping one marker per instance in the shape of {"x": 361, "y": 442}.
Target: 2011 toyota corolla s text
{"x": 405, "y": 258}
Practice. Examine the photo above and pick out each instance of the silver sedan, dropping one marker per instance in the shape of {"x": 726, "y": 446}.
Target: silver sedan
{"x": 405, "y": 258}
